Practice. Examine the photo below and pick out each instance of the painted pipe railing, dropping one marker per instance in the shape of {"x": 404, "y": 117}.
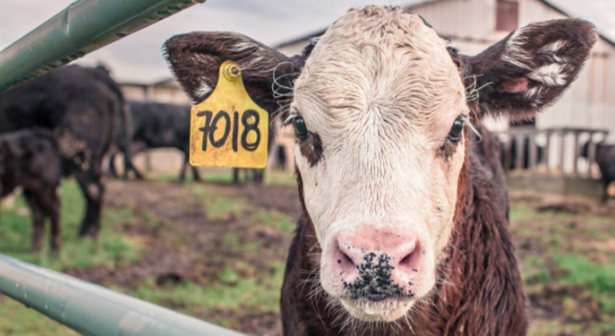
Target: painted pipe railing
{"x": 93, "y": 310}
{"x": 81, "y": 28}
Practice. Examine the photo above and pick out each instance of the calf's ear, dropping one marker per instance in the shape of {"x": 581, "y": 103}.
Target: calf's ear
{"x": 530, "y": 68}
{"x": 195, "y": 59}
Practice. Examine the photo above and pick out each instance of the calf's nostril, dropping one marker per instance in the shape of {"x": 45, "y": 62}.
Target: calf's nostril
{"x": 345, "y": 259}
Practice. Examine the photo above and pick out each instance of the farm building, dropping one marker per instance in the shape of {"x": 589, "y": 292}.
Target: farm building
{"x": 164, "y": 91}
{"x": 473, "y": 25}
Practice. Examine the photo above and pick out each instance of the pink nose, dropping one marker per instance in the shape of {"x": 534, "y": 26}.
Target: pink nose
{"x": 377, "y": 264}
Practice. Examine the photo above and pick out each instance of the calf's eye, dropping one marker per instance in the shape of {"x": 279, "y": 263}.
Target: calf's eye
{"x": 455, "y": 132}
{"x": 300, "y": 128}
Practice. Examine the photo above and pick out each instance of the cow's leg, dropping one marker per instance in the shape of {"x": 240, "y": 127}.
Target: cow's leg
{"x": 129, "y": 166}
{"x": 182, "y": 173}
{"x": 260, "y": 176}
{"x": 112, "y": 170}
{"x": 235, "y": 175}
{"x": 195, "y": 173}
{"x": 135, "y": 148}
{"x": 51, "y": 204}
{"x": 38, "y": 220}
{"x": 138, "y": 174}
{"x": 93, "y": 191}
{"x": 605, "y": 192}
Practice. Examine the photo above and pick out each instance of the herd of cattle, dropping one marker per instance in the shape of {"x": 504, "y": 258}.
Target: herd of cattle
{"x": 63, "y": 124}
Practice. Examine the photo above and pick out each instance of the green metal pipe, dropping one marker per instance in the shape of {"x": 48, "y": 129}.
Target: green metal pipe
{"x": 81, "y": 28}
{"x": 93, "y": 310}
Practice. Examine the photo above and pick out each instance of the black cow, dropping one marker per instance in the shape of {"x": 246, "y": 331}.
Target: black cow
{"x": 124, "y": 126}
{"x": 30, "y": 159}
{"x": 160, "y": 125}
{"x": 605, "y": 158}
{"x": 510, "y": 154}
{"x": 280, "y": 154}
{"x": 81, "y": 106}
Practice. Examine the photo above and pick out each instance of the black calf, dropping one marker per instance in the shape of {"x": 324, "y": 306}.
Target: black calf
{"x": 81, "y": 108}
{"x": 30, "y": 159}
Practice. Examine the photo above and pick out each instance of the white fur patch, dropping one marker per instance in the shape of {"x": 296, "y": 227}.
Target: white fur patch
{"x": 553, "y": 47}
{"x": 533, "y": 95}
{"x": 242, "y": 46}
{"x": 515, "y": 54}
{"x": 253, "y": 61}
{"x": 203, "y": 90}
{"x": 551, "y": 75}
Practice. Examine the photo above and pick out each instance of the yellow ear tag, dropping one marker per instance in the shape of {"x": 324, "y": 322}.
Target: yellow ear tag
{"x": 228, "y": 129}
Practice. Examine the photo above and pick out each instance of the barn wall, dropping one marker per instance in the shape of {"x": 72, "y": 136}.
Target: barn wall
{"x": 460, "y": 18}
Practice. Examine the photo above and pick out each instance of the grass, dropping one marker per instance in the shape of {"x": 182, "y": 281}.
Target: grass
{"x": 217, "y": 205}
{"x": 559, "y": 257}
{"x": 15, "y": 319}
{"x": 274, "y": 219}
{"x": 580, "y": 271}
{"x": 232, "y": 292}
{"x": 225, "y": 176}
{"x": 111, "y": 249}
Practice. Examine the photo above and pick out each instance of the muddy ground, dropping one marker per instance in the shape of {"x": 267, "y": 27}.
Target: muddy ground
{"x": 188, "y": 241}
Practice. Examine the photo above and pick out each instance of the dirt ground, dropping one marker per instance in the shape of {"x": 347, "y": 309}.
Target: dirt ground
{"x": 188, "y": 241}
{"x": 192, "y": 248}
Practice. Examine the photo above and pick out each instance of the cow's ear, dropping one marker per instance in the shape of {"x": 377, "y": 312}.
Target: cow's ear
{"x": 530, "y": 68}
{"x": 195, "y": 59}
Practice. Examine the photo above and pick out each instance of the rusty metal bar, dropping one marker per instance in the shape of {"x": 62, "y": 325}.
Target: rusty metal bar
{"x": 93, "y": 310}
{"x": 84, "y": 26}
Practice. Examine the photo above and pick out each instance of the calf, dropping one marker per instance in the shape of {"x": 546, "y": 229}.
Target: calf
{"x": 160, "y": 125}
{"x": 30, "y": 159}
{"x": 80, "y": 106}
{"x": 404, "y": 228}
{"x": 605, "y": 158}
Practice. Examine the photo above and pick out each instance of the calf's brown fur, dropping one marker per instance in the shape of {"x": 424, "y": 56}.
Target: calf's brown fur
{"x": 478, "y": 290}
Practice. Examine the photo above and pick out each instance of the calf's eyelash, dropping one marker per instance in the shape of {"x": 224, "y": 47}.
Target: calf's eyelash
{"x": 290, "y": 119}
{"x": 468, "y": 123}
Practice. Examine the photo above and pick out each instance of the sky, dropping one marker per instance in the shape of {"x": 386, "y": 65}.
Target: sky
{"x": 137, "y": 58}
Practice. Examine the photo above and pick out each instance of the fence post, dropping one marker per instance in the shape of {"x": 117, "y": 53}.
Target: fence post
{"x": 575, "y": 152}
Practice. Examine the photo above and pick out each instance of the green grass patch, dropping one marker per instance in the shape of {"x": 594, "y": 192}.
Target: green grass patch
{"x": 111, "y": 248}
{"x": 272, "y": 218}
{"x": 15, "y": 319}
{"x": 580, "y": 271}
{"x": 280, "y": 178}
{"x": 231, "y": 292}
{"x": 219, "y": 206}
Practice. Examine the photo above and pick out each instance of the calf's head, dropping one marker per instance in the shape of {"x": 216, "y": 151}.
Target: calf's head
{"x": 382, "y": 111}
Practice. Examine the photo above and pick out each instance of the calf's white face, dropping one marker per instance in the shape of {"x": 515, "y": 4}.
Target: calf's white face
{"x": 379, "y": 107}
{"x": 378, "y": 162}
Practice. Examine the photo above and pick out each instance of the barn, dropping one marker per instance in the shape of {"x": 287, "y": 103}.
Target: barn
{"x": 587, "y": 108}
